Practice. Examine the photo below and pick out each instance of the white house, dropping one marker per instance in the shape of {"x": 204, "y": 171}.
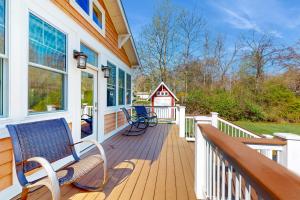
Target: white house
{"x": 39, "y": 74}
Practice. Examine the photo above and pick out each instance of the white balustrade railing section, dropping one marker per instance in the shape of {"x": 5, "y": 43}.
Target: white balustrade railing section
{"x": 227, "y": 169}
{"x": 164, "y": 113}
{"x": 234, "y": 130}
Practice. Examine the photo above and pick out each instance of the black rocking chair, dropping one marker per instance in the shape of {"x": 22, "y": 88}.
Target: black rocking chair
{"x": 138, "y": 124}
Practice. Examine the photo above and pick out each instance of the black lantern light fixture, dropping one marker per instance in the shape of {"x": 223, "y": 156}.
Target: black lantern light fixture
{"x": 81, "y": 59}
{"x": 105, "y": 70}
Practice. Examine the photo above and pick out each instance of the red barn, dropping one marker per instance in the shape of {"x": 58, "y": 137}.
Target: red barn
{"x": 163, "y": 96}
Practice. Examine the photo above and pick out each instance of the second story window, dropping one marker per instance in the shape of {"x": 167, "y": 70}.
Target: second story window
{"x": 121, "y": 86}
{"x": 92, "y": 55}
{"x": 85, "y": 5}
{"x": 97, "y": 16}
{"x": 111, "y": 86}
{"x": 93, "y": 12}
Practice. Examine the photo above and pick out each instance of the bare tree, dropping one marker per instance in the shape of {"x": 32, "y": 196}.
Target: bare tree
{"x": 191, "y": 27}
{"x": 261, "y": 53}
{"x": 157, "y": 42}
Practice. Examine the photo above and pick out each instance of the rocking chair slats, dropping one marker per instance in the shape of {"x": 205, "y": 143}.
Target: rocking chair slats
{"x": 138, "y": 124}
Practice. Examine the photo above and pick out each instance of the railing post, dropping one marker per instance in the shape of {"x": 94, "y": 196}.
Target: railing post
{"x": 214, "y": 119}
{"x": 200, "y": 161}
{"x": 177, "y": 114}
{"x": 181, "y": 121}
{"x": 290, "y": 155}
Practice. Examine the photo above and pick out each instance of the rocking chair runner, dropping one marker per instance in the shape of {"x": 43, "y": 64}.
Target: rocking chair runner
{"x": 138, "y": 125}
{"x": 150, "y": 116}
{"x": 38, "y": 144}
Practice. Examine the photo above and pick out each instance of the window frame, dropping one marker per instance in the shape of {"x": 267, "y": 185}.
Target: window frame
{"x": 130, "y": 102}
{"x": 5, "y": 68}
{"x": 124, "y": 87}
{"x": 43, "y": 67}
{"x": 89, "y": 17}
{"x": 116, "y": 86}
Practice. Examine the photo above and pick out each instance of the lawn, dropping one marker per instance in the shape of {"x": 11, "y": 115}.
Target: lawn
{"x": 269, "y": 128}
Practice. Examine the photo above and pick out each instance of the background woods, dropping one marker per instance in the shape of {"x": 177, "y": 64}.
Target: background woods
{"x": 253, "y": 78}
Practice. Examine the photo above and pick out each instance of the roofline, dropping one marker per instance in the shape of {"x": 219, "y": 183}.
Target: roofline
{"x": 129, "y": 31}
{"x": 162, "y": 83}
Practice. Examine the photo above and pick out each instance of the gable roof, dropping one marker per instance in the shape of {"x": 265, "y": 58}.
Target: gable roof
{"x": 163, "y": 84}
{"x": 119, "y": 19}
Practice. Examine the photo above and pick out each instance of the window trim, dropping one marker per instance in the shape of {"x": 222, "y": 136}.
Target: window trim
{"x": 89, "y": 17}
{"x": 116, "y": 87}
{"x": 128, "y": 103}
{"x": 124, "y": 87}
{"x": 64, "y": 73}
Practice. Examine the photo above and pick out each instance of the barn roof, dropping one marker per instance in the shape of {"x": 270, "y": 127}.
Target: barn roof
{"x": 167, "y": 88}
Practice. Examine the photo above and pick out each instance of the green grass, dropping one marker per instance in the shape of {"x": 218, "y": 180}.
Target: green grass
{"x": 269, "y": 127}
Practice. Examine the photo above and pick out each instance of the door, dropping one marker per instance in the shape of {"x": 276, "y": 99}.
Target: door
{"x": 89, "y": 104}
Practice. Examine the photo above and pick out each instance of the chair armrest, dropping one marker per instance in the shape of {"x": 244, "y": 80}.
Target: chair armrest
{"x": 53, "y": 185}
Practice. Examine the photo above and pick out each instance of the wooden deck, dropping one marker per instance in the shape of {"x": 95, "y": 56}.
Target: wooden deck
{"x": 155, "y": 165}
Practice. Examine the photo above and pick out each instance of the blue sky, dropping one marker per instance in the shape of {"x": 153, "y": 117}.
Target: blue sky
{"x": 281, "y": 18}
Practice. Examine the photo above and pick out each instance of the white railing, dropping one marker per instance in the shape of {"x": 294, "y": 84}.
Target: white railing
{"x": 190, "y": 128}
{"x": 164, "y": 113}
{"x": 234, "y": 130}
{"x": 227, "y": 169}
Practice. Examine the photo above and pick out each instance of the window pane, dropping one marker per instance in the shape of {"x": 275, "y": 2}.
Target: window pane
{"x": 84, "y": 4}
{"x": 92, "y": 55}
{"x": 121, "y": 87}
{"x": 46, "y": 90}
{"x": 47, "y": 45}
{"x": 128, "y": 89}
{"x": 97, "y": 16}
{"x": 2, "y": 26}
{"x": 111, "y": 85}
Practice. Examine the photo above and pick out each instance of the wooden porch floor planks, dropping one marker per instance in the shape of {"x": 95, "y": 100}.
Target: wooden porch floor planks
{"x": 156, "y": 165}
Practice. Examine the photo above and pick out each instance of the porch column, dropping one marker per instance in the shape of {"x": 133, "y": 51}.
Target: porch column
{"x": 214, "y": 119}
{"x": 290, "y": 155}
{"x": 177, "y": 114}
{"x": 200, "y": 155}
{"x": 181, "y": 121}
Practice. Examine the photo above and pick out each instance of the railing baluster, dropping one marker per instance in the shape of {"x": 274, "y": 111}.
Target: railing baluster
{"x": 237, "y": 185}
{"x": 218, "y": 176}
{"x": 247, "y": 191}
{"x": 210, "y": 171}
{"x": 214, "y": 174}
{"x": 223, "y": 179}
{"x": 229, "y": 183}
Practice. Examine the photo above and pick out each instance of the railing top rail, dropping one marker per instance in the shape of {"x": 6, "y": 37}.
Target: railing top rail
{"x": 238, "y": 127}
{"x": 270, "y": 177}
{"x": 262, "y": 141}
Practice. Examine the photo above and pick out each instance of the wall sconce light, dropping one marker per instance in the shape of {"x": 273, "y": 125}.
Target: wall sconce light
{"x": 81, "y": 59}
{"x": 105, "y": 70}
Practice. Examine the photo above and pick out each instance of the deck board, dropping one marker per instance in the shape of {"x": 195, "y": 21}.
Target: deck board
{"x": 155, "y": 165}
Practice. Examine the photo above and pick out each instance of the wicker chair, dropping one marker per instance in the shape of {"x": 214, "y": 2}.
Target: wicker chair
{"x": 150, "y": 116}
{"x": 37, "y": 144}
{"x": 138, "y": 125}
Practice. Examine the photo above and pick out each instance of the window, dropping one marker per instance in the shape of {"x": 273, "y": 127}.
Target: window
{"x": 85, "y": 5}
{"x": 92, "y": 55}
{"x": 128, "y": 89}
{"x": 93, "y": 12}
{"x": 121, "y": 87}
{"x": 97, "y": 16}
{"x": 111, "y": 85}
{"x": 47, "y": 67}
{"x": 3, "y": 59}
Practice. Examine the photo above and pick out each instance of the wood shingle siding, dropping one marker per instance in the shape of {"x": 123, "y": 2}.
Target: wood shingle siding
{"x": 121, "y": 119}
{"x": 111, "y": 36}
{"x": 6, "y": 158}
{"x": 109, "y": 123}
